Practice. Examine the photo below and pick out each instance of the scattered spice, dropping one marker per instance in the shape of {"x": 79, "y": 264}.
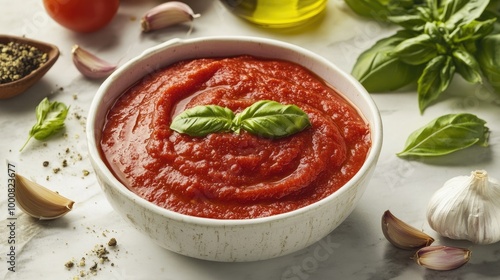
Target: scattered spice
{"x": 45, "y": 163}
{"x": 101, "y": 251}
{"x": 93, "y": 268}
{"x": 112, "y": 242}
{"x": 98, "y": 255}
{"x": 18, "y": 60}
{"x": 69, "y": 264}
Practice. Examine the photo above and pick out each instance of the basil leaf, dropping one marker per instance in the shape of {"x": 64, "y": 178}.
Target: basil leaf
{"x": 378, "y": 71}
{"x": 411, "y": 22}
{"x": 202, "y": 120}
{"x": 271, "y": 119}
{"x": 426, "y": 13}
{"x": 403, "y": 7}
{"x": 462, "y": 11}
{"x": 381, "y": 9}
{"x": 50, "y": 119}
{"x": 488, "y": 57}
{"x": 417, "y": 50}
{"x": 433, "y": 10}
{"x": 41, "y": 111}
{"x": 492, "y": 12}
{"x": 435, "y": 32}
{"x": 446, "y": 134}
{"x": 435, "y": 79}
{"x": 473, "y": 31}
{"x": 369, "y": 8}
{"x": 467, "y": 66}
{"x": 450, "y": 7}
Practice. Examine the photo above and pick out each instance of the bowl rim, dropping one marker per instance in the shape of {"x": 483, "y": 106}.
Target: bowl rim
{"x": 96, "y": 157}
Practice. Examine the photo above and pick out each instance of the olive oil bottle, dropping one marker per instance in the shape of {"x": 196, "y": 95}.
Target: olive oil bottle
{"x": 276, "y": 13}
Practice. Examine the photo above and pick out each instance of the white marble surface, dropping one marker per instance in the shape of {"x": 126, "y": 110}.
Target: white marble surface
{"x": 355, "y": 250}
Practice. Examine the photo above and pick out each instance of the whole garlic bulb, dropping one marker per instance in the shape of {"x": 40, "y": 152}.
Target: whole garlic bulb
{"x": 467, "y": 207}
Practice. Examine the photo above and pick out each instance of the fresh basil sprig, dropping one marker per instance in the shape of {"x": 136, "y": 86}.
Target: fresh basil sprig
{"x": 375, "y": 65}
{"x": 446, "y": 134}
{"x": 268, "y": 119}
{"x": 441, "y": 39}
{"x": 50, "y": 119}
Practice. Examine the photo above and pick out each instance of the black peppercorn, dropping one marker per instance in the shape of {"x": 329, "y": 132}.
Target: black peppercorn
{"x": 19, "y": 60}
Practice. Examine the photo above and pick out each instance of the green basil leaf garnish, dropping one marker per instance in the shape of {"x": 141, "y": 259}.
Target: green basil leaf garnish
{"x": 446, "y": 134}
{"x": 268, "y": 119}
{"x": 50, "y": 119}
{"x": 202, "y": 120}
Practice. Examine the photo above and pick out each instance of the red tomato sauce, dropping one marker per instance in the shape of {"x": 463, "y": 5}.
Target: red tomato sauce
{"x": 229, "y": 175}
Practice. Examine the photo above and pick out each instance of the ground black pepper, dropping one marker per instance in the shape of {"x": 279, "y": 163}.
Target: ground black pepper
{"x": 99, "y": 256}
{"x": 19, "y": 60}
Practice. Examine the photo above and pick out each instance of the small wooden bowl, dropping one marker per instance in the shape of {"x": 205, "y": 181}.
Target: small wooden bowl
{"x": 8, "y": 90}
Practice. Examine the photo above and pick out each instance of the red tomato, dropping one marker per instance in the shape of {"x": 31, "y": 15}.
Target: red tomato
{"x": 82, "y": 15}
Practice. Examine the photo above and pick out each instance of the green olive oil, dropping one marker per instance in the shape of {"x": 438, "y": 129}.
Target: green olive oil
{"x": 276, "y": 13}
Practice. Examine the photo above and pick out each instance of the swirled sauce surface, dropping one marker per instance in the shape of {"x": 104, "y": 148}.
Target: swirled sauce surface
{"x": 230, "y": 175}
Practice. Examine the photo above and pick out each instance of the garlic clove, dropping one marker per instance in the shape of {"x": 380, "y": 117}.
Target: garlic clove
{"x": 40, "y": 202}
{"x": 468, "y": 208}
{"x": 90, "y": 65}
{"x": 167, "y": 14}
{"x": 442, "y": 257}
{"x": 403, "y": 235}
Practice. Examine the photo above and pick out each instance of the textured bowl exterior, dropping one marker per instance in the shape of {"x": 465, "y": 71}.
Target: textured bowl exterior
{"x": 231, "y": 240}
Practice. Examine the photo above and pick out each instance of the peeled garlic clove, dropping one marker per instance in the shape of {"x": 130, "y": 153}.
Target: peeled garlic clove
{"x": 467, "y": 207}
{"x": 90, "y": 65}
{"x": 40, "y": 202}
{"x": 403, "y": 235}
{"x": 442, "y": 257}
{"x": 167, "y": 14}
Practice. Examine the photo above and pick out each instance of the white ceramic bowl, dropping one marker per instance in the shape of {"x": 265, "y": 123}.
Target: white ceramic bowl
{"x": 231, "y": 240}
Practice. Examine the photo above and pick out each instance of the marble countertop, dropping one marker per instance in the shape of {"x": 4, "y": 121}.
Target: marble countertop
{"x": 357, "y": 249}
